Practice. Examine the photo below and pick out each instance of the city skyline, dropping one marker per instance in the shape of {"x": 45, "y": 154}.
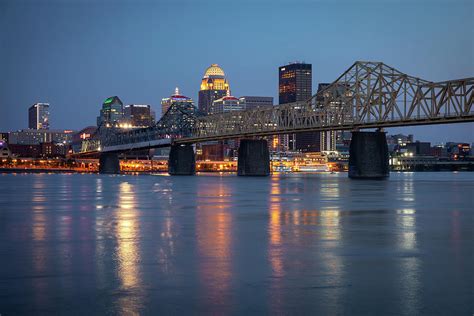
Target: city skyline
{"x": 147, "y": 77}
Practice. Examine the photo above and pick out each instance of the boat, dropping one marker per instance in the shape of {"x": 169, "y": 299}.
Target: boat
{"x": 314, "y": 168}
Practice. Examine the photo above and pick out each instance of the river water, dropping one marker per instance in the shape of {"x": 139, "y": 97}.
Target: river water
{"x": 221, "y": 244}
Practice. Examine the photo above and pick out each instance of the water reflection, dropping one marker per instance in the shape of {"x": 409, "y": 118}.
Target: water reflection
{"x": 274, "y": 229}
{"x": 169, "y": 231}
{"x": 409, "y": 263}
{"x": 214, "y": 242}
{"x": 127, "y": 231}
{"x": 304, "y": 241}
{"x": 39, "y": 258}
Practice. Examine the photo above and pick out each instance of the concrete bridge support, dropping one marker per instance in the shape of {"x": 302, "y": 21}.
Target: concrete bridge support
{"x": 109, "y": 163}
{"x": 254, "y": 158}
{"x": 368, "y": 156}
{"x": 181, "y": 160}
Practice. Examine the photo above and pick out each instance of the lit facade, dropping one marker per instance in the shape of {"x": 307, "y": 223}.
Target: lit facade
{"x": 38, "y": 116}
{"x": 226, "y": 104}
{"x": 214, "y": 86}
{"x": 295, "y": 85}
{"x": 138, "y": 115}
{"x": 177, "y": 98}
{"x": 36, "y": 137}
{"x": 111, "y": 112}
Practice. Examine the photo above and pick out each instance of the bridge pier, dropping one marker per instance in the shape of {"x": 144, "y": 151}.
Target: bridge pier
{"x": 368, "y": 156}
{"x": 254, "y": 158}
{"x": 109, "y": 163}
{"x": 181, "y": 160}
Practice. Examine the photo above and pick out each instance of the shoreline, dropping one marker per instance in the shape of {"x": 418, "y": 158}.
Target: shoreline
{"x": 42, "y": 170}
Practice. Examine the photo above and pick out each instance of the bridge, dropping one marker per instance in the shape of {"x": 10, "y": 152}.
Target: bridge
{"x": 367, "y": 95}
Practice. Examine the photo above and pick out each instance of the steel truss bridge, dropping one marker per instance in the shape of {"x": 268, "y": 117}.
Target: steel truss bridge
{"x": 367, "y": 95}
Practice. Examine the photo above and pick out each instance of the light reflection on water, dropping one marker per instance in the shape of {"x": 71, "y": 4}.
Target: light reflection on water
{"x": 298, "y": 243}
{"x": 127, "y": 232}
{"x": 214, "y": 242}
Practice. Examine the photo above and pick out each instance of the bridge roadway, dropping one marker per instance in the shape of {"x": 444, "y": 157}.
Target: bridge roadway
{"x": 367, "y": 95}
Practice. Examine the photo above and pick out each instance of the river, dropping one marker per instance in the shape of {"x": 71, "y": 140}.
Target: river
{"x": 221, "y": 244}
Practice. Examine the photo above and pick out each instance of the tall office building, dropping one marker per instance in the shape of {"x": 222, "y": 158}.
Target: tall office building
{"x": 295, "y": 85}
{"x": 111, "y": 112}
{"x": 38, "y": 116}
{"x": 214, "y": 86}
{"x": 178, "y": 98}
{"x": 138, "y": 115}
{"x": 295, "y": 82}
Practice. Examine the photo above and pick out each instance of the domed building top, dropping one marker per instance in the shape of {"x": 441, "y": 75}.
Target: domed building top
{"x": 214, "y": 71}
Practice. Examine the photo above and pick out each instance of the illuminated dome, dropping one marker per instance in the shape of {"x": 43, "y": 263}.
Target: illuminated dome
{"x": 213, "y": 71}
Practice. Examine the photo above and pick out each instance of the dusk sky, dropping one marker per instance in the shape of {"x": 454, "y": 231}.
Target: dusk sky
{"x": 74, "y": 54}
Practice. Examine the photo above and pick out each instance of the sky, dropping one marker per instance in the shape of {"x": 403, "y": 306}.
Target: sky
{"x": 74, "y": 54}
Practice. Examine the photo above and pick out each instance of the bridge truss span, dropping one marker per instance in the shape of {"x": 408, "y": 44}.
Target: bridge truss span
{"x": 367, "y": 95}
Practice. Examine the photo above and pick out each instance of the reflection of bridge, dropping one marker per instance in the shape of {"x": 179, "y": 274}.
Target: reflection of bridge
{"x": 367, "y": 95}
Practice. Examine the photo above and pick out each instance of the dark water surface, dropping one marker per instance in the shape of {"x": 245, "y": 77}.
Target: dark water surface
{"x": 306, "y": 244}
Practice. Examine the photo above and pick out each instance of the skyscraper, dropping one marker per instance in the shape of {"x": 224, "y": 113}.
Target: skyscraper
{"x": 111, "y": 112}
{"x": 181, "y": 100}
{"x": 295, "y": 82}
{"x": 214, "y": 86}
{"x": 38, "y": 116}
{"x": 295, "y": 85}
{"x": 138, "y": 115}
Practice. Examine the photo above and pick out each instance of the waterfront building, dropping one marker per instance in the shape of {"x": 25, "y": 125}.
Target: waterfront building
{"x": 38, "y": 116}
{"x": 418, "y": 148}
{"x": 36, "y": 137}
{"x": 251, "y": 102}
{"x": 138, "y": 115}
{"x": 458, "y": 150}
{"x": 438, "y": 151}
{"x": 226, "y": 104}
{"x": 111, "y": 112}
{"x": 214, "y": 86}
{"x": 295, "y": 85}
{"x": 176, "y": 98}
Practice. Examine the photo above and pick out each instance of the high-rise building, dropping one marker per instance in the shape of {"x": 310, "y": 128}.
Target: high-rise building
{"x": 226, "y": 104}
{"x": 38, "y": 116}
{"x": 177, "y": 98}
{"x": 111, "y": 112}
{"x": 295, "y": 85}
{"x": 295, "y": 82}
{"x": 214, "y": 86}
{"x": 251, "y": 102}
{"x": 138, "y": 115}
